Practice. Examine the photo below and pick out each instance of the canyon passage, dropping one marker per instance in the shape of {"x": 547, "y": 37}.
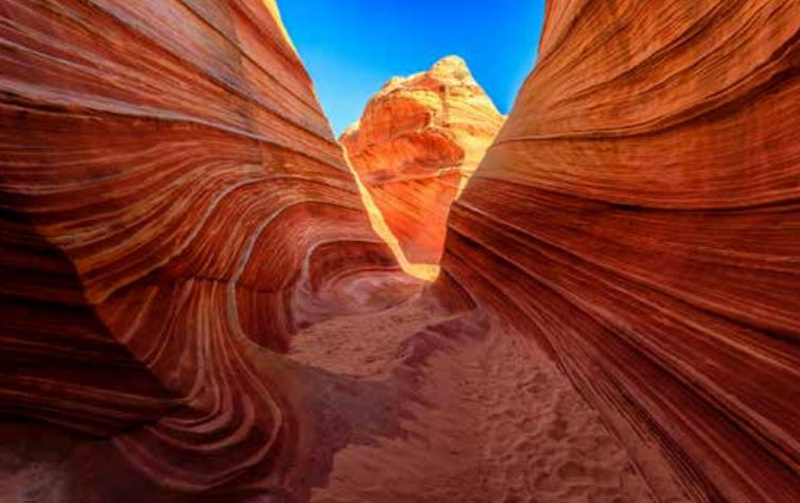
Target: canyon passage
{"x": 205, "y": 297}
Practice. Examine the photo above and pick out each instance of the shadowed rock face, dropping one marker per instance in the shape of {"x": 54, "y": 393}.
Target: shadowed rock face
{"x": 637, "y": 217}
{"x": 173, "y": 205}
{"x": 415, "y": 147}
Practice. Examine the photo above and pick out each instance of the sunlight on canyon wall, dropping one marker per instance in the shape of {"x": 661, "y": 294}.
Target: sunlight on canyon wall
{"x": 425, "y": 272}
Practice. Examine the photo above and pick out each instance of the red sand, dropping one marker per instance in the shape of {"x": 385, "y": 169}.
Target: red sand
{"x": 485, "y": 415}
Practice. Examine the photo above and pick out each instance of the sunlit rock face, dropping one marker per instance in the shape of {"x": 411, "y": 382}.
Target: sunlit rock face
{"x": 173, "y": 207}
{"x": 418, "y": 142}
{"x": 637, "y": 217}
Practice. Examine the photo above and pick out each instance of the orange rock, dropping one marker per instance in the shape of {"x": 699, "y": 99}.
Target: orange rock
{"x": 174, "y": 205}
{"x": 638, "y": 217}
{"x": 174, "y": 208}
{"x": 418, "y": 142}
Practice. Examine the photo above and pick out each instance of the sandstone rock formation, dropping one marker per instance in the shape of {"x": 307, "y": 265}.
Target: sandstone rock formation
{"x": 174, "y": 206}
{"x": 637, "y": 217}
{"x": 193, "y": 307}
{"x": 418, "y": 142}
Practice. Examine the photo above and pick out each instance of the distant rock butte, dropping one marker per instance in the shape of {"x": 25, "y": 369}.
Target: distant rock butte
{"x": 418, "y": 142}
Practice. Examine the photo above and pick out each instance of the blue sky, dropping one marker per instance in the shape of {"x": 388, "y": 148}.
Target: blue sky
{"x": 351, "y": 47}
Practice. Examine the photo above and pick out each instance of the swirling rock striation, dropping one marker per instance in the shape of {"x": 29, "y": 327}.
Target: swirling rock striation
{"x": 638, "y": 217}
{"x": 418, "y": 142}
{"x": 173, "y": 208}
{"x": 173, "y": 203}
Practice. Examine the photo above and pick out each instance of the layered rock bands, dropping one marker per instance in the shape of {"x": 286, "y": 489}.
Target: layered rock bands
{"x": 617, "y": 317}
{"x": 173, "y": 203}
{"x": 638, "y": 217}
{"x": 418, "y": 142}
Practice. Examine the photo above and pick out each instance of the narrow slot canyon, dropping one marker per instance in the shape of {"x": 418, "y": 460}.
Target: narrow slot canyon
{"x": 207, "y": 296}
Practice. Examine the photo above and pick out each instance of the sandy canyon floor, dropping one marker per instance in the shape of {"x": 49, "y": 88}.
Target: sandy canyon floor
{"x": 485, "y": 414}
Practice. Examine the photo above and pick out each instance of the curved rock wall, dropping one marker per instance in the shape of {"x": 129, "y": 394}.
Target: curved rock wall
{"x": 637, "y": 217}
{"x": 418, "y": 142}
{"x": 173, "y": 207}
{"x": 172, "y": 201}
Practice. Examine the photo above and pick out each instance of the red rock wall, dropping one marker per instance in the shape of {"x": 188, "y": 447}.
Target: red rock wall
{"x": 638, "y": 216}
{"x": 172, "y": 196}
{"x": 419, "y": 140}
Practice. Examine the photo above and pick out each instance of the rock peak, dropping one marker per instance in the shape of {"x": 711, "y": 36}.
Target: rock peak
{"x": 451, "y": 66}
{"x": 451, "y": 61}
{"x": 418, "y": 142}
{"x": 449, "y": 70}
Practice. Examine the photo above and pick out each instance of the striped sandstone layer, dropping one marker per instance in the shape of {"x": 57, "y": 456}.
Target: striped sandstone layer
{"x": 173, "y": 207}
{"x": 193, "y": 307}
{"x": 638, "y": 218}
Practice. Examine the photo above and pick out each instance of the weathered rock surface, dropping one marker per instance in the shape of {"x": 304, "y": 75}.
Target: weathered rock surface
{"x": 637, "y": 217}
{"x": 616, "y": 321}
{"x": 173, "y": 207}
{"x": 418, "y": 142}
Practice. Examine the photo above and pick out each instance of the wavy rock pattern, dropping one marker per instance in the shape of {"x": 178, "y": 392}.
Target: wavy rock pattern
{"x": 638, "y": 218}
{"x": 418, "y": 142}
{"x": 173, "y": 204}
{"x": 174, "y": 212}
